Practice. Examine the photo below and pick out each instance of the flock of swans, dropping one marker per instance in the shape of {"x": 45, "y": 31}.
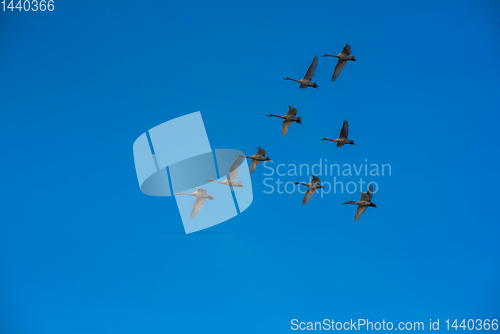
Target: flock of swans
{"x": 343, "y": 57}
{"x": 289, "y": 118}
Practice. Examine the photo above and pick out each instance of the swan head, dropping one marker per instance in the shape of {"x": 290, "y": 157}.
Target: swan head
{"x": 323, "y": 139}
{"x": 299, "y": 120}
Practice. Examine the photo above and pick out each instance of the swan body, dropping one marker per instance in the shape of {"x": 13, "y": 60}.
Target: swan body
{"x": 364, "y": 202}
{"x": 306, "y": 81}
{"x": 343, "y": 57}
{"x": 312, "y": 185}
{"x": 289, "y": 118}
{"x": 201, "y": 195}
{"x": 257, "y": 158}
{"x": 232, "y": 175}
{"x": 342, "y": 139}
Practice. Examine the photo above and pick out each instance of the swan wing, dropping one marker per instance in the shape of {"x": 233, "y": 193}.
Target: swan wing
{"x": 261, "y": 151}
{"x": 364, "y": 197}
{"x": 254, "y": 165}
{"x": 308, "y": 195}
{"x": 340, "y": 144}
{"x": 312, "y": 68}
{"x": 286, "y": 125}
{"x": 345, "y": 130}
{"x": 338, "y": 68}
{"x": 346, "y": 50}
{"x": 233, "y": 171}
{"x": 197, "y": 206}
{"x": 369, "y": 193}
{"x": 359, "y": 211}
{"x": 291, "y": 111}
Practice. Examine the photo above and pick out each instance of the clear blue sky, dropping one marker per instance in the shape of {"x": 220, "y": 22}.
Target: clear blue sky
{"x": 80, "y": 250}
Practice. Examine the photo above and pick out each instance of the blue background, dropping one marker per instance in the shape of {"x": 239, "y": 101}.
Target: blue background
{"x": 82, "y": 250}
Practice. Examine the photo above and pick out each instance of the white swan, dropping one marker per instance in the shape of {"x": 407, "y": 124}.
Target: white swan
{"x": 313, "y": 185}
{"x": 364, "y": 202}
{"x": 343, "y": 57}
{"x": 342, "y": 139}
{"x": 306, "y": 81}
{"x": 201, "y": 195}
{"x": 289, "y": 118}
{"x": 257, "y": 158}
{"x": 233, "y": 174}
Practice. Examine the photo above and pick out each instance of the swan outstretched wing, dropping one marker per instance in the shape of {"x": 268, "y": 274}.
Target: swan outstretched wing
{"x": 233, "y": 171}
{"x": 286, "y": 125}
{"x": 359, "y": 211}
{"x": 197, "y": 206}
{"x": 254, "y": 164}
{"x": 369, "y": 193}
{"x": 346, "y": 50}
{"x": 291, "y": 111}
{"x": 261, "y": 151}
{"x": 345, "y": 130}
{"x": 308, "y": 195}
{"x": 312, "y": 68}
{"x": 338, "y": 68}
{"x": 367, "y": 196}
